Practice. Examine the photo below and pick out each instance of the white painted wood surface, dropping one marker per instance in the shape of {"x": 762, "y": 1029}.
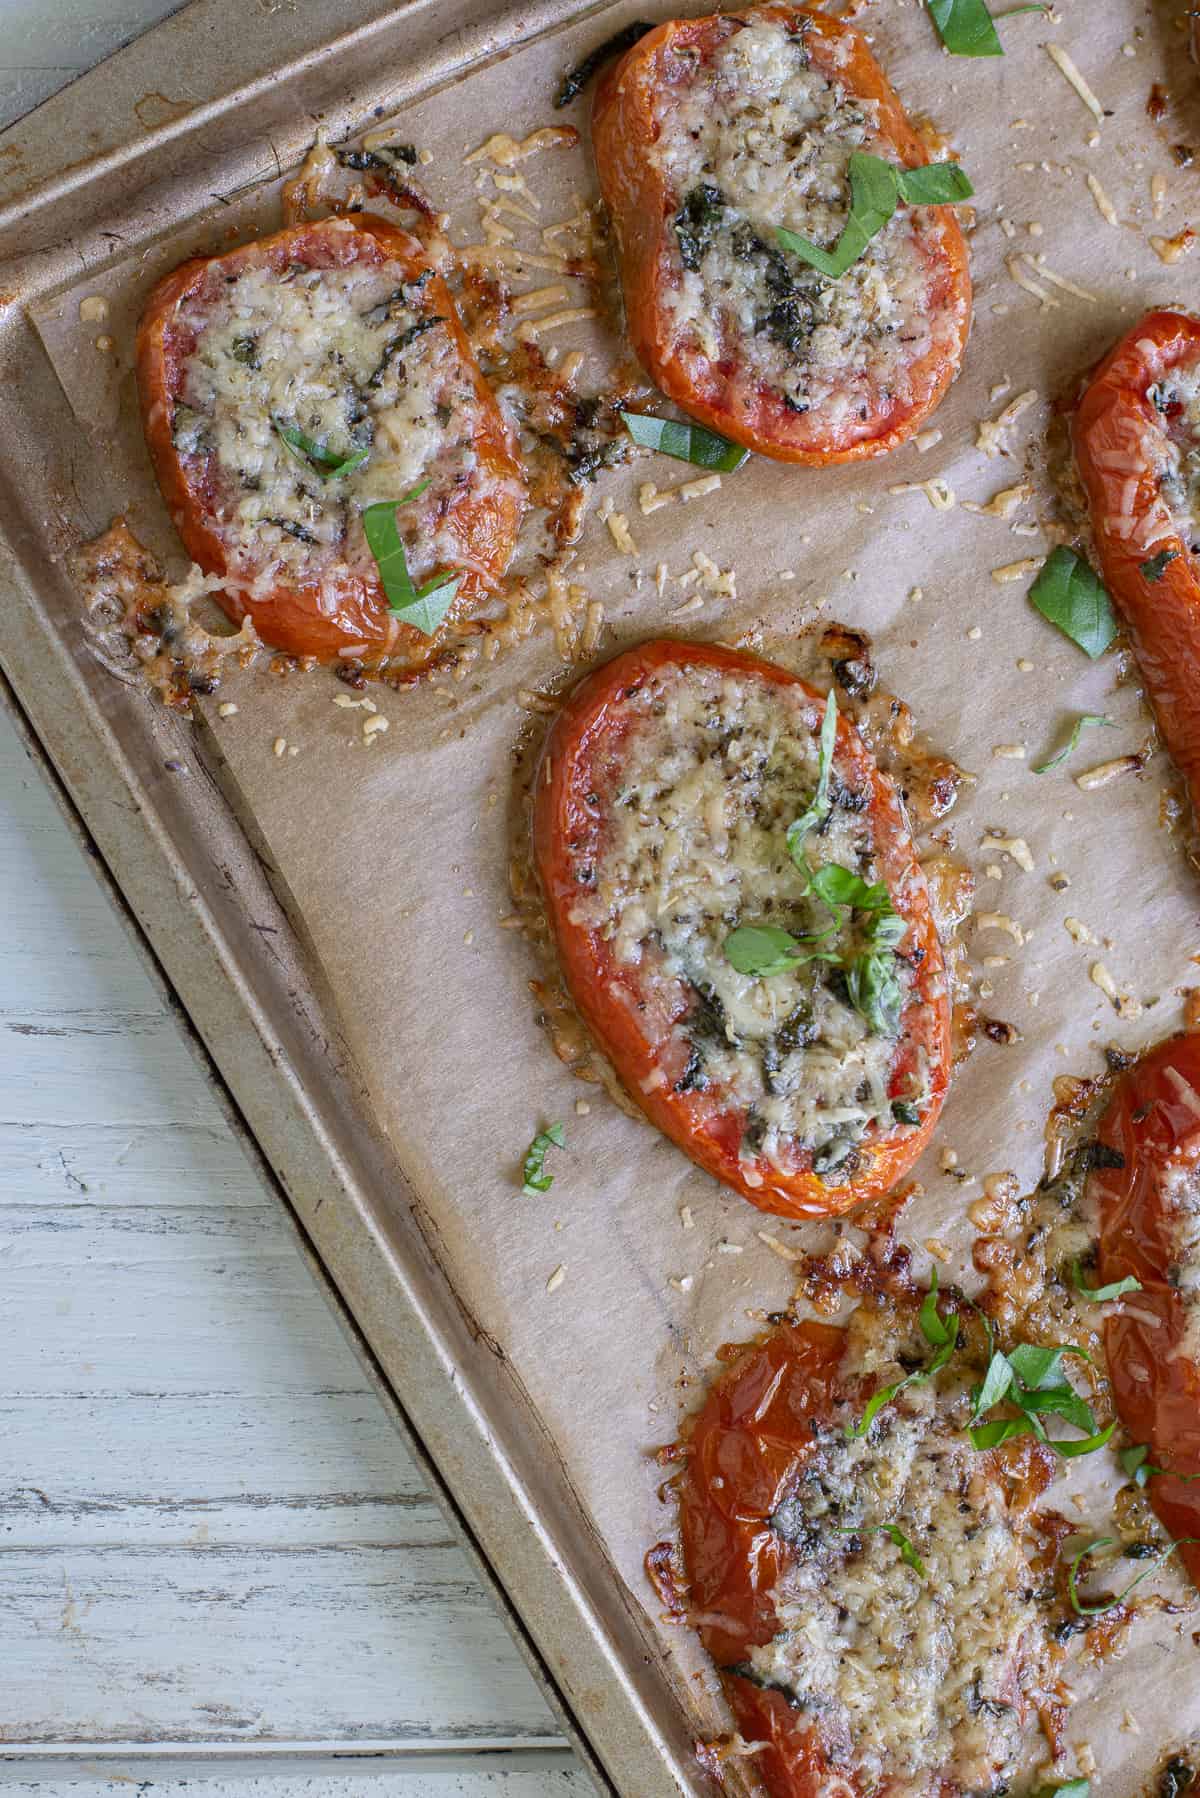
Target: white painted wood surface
{"x": 212, "y": 1542}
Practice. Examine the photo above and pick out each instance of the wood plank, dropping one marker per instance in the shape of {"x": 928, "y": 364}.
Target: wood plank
{"x": 343, "y": 1643}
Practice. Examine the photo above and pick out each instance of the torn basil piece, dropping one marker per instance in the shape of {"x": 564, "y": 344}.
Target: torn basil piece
{"x": 686, "y": 442}
{"x": 315, "y": 456}
{"x": 1070, "y": 594}
{"x": 876, "y": 189}
{"x": 422, "y": 607}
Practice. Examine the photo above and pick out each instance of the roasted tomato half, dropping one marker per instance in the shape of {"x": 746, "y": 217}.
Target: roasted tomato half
{"x": 662, "y": 810}
{"x": 1149, "y": 1203}
{"x": 291, "y": 383}
{"x": 1137, "y": 437}
{"x": 709, "y": 133}
{"x": 869, "y": 1603}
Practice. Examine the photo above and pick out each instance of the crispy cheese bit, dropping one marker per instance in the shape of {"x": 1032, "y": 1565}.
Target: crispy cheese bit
{"x": 535, "y": 702}
{"x": 992, "y": 431}
{"x": 1158, "y": 194}
{"x": 685, "y": 1217}
{"x": 721, "y": 582}
{"x": 1171, "y": 249}
{"x": 1124, "y": 1004}
{"x": 1104, "y": 772}
{"x": 537, "y": 297}
{"x": 1078, "y": 931}
{"x": 1070, "y": 73}
{"x": 681, "y": 1283}
{"x": 556, "y": 1278}
{"x": 1104, "y": 205}
{"x": 937, "y": 492}
{"x": 517, "y": 184}
{"x": 227, "y": 709}
{"x": 662, "y": 575}
{"x": 1037, "y": 265}
{"x": 699, "y": 488}
{"x": 371, "y": 726}
{"x": 1002, "y": 504}
{"x": 570, "y": 315}
{"x": 1017, "y": 571}
{"x": 511, "y": 256}
{"x": 504, "y": 150}
{"x": 1016, "y": 848}
{"x": 1000, "y": 920}
{"x": 651, "y": 500}
{"x": 694, "y": 604}
{"x": 279, "y": 746}
{"x": 1017, "y": 270}
{"x": 593, "y": 624}
{"x": 1009, "y": 752}
{"x": 618, "y": 530}
{"x": 927, "y": 440}
{"x": 776, "y": 1247}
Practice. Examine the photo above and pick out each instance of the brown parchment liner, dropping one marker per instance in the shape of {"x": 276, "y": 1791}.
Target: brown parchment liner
{"x": 393, "y": 858}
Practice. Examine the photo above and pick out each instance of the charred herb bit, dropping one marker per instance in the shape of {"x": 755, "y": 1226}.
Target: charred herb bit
{"x": 537, "y": 1180}
{"x": 697, "y": 222}
{"x": 1109, "y": 1604}
{"x": 402, "y": 341}
{"x": 245, "y": 351}
{"x": 574, "y": 83}
{"x": 1157, "y": 566}
{"x": 1176, "y": 1778}
{"x": 904, "y": 1113}
{"x": 293, "y": 529}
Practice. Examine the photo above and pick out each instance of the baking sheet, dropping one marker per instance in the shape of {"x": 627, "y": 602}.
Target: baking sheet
{"x": 392, "y": 860}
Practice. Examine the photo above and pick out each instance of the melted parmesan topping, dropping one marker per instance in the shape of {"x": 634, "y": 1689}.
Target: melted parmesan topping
{"x": 756, "y": 138}
{"x": 354, "y": 359}
{"x": 713, "y": 769}
{"x": 1181, "y": 1202}
{"x": 1177, "y": 399}
{"x": 905, "y": 1677}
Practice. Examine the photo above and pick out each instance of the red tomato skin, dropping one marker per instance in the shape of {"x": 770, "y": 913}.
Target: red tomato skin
{"x": 290, "y": 618}
{"x": 1163, "y": 616}
{"x": 752, "y": 1433}
{"x": 709, "y": 1134}
{"x": 624, "y": 129}
{"x": 1156, "y": 1391}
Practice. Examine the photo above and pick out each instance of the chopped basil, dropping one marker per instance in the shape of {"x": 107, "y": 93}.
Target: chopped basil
{"x": 1030, "y": 1377}
{"x": 763, "y": 949}
{"x": 966, "y": 28}
{"x": 842, "y": 886}
{"x": 818, "y": 807}
{"x": 1071, "y": 595}
{"x": 876, "y": 189}
{"x": 1077, "y": 729}
{"x": 941, "y": 1333}
{"x": 1070, "y": 1788}
{"x": 319, "y": 459}
{"x": 422, "y": 607}
{"x": 536, "y": 1178}
{"x": 1097, "y": 1295}
{"x": 1091, "y": 1548}
{"x": 1157, "y": 566}
{"x": 1134, "y": 1462}
{"x": 904, "y": 1113}
{"x": 686, "y": 442}
{"x": 874, "y": 990}
{"x": 908, "y": 1553}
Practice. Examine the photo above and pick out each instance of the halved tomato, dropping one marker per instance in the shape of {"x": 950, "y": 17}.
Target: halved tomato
{"x": 662, "y": 807}
{"x": 869, "y": 1600}
{"x": 264, "y": 370}
{"x": 708, "y": 134}
{"x": 1150, "y": 1229}
{"x": 1136, "y": 431}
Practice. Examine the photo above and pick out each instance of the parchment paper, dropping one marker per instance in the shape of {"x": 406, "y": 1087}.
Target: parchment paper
{"x": 394, "y": 857}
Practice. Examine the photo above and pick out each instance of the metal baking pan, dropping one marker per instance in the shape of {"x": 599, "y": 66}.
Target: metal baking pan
{"x": 212, "y": 101}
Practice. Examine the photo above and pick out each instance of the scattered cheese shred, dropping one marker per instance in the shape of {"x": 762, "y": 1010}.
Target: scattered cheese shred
{"x": 940, "y": 496}
{"x": 1002, "y": 504}
{"x": 1104, "y": 772}
{"x": 553, "y": 321}
{"x": 538, "y": 297}
{"x": 556, "y": 1278}
{"x": 992, "y": 431}
{"x": 1000, "y": 920}
{"x": 1016, "y": 269}
{"x": 1014, "y": 847}
{"x": 1070, "y": 73}
{"x": 776, "y": 1247}
{"x": 1017, "y": 571}
{"x": 1104, "y": 205}
{"x": 1123, "y": 1004}
{"x": 504, "y": 150}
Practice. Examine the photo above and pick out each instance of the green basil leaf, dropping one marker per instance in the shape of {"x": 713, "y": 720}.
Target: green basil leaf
{"x": 1071, "y": 595}
{"x": 1097, "y": 1295}
{"x": 1157, "y": 566}
{"x": 1072, "y": 1446}
{"x": 875, "y": 1405}
{"x": 886, "y": 1393}
{"x": 429, "y": 604}
{"x": 1139, "y": 1469}
{"x": 1070, "y": 1788}
{"x": 996, "y": 1382}
{"x": 315, "y": 456}
{"x": 1080, "y": 725}
{"x": 686, "y": 442}
{"x": 966, "y": 27}
{"x": 1066, "y": 1404}
{"x": 1039, "y": 1367}
{"x": 873, "y": 988}
{"x": 887, "y": 931}
{"x": 991, "y": 1435}
{"x": 761, "y": 950}
{"x": 937, "y": 184}
{"x": 944, "y": 1353}
{"x": 817, "y": 809}
{"x": 536, "y": 1178}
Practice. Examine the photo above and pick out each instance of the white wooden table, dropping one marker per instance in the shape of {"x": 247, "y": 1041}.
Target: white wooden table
{"x": 218, "y": 1566}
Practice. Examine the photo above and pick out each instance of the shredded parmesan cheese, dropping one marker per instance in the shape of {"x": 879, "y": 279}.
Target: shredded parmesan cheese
{"x": 1070, "y": 73}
